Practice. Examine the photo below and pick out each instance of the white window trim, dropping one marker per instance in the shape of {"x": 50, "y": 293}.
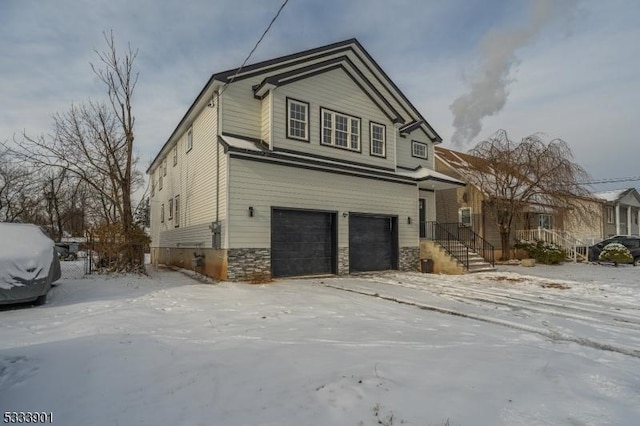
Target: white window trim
{"x": 190, "y": 139}
{"x": 176, "y": 205}
{"x": 170, "y": 208}
{"x": 384, "y": 139}
{"x": 413, "y": 150}
{"x": 175, "y": 155}
{"x": 460, "y": 215}
{"x": 162, "y": 213}
{"x": 350, "y": 120}
{"x": 305, "y": 105}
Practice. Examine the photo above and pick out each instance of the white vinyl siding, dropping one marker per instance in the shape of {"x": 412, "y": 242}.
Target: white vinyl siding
{"x": 333, "y": 91}
{"x": 191, "y": 185}
{"x": 263, "y": 186}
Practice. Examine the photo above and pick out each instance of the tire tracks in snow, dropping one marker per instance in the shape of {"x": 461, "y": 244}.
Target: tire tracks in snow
{"x": 551, "y": 334}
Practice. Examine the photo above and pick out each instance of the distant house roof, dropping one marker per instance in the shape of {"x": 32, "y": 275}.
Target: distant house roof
{"x": 629, "y": 196}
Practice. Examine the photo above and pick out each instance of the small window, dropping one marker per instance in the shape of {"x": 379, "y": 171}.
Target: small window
{"x": 177, "y": 208}
{"x": 159, "y": 181}
{"x": 464, "y": 216}
{"x": 419, "y": 149}
{"x": 153, "y": 184}
{"x": 378, "y": 140}
{"x": 298, "y": 120}
{"x": 340, "y": 130}
{"x": 175, "y": 155}
{"x": 609, "y": 214}
{"x": 189, "y": 139}
{"x": 164, "y": 167}
{"x": 162, "y": 213}
{"x": 544, "y": 221}
{"x": 170, "y": 208}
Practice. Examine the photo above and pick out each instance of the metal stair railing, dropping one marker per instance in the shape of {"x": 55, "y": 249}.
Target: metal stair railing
{"x": 466, "y": 236}
{"x": 448, "y": 241}
{"x": 575, "y": 247}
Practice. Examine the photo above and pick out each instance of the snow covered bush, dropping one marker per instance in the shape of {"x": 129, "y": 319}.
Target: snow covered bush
{"x": 543, "y": 252}
{"x": 616, "y": 253}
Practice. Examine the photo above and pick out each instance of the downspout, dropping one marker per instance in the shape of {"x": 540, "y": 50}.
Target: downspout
{"x": 217, "y": 230}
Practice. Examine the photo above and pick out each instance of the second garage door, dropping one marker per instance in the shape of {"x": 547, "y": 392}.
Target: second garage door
{"x": 302, "y": 242}
{"x": 372, "y": 243}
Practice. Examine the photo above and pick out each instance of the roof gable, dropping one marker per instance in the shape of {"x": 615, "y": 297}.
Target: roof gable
{"x": 348, "y": 55}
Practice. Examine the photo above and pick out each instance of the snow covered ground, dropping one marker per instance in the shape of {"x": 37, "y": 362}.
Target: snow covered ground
{"x": 559, "y": 346}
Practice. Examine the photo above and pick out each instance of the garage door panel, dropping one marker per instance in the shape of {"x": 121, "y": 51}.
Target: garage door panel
{"x": 302, "y": 242}
{"x": 372, "y": 243}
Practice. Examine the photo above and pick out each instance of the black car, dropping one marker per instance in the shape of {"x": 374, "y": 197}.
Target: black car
{"x": 630, "y": 242}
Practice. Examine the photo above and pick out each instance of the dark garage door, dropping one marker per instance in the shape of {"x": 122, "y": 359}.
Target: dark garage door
{"x": 302, "y": 243}
{"x": 372, "y": 243}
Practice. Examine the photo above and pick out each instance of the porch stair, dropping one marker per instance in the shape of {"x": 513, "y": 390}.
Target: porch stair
{"x": 476, "y": 262}
{"x": 575, "y": 248}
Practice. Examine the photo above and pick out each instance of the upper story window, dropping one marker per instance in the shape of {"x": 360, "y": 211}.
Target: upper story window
{"x": 170, "y": 208}
{"x": 164, "y": 167}
{"x": 153, "y": 184}
{"x": 175, "y": 155}
{"x": 419, "y": 149}
{"x": 298, "y": 120}
{"x": 378, "y": 140}
{"x": 340, "y": 130}
{"x": 160, "y": 179}
{"x": 189, "y": 139}
{"x": 162, "y": 213}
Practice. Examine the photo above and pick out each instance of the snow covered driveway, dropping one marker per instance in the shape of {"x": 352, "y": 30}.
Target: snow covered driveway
{"x": 491, "y": 349}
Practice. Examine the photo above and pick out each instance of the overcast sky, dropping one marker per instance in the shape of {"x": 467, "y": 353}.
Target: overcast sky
{"x": 569, "y": 69}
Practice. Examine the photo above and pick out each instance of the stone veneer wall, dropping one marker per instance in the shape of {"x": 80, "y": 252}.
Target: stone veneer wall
{"x": 343, "y": 261}
{"x": 409, "y": 259}
{"x": 248, "y": 263}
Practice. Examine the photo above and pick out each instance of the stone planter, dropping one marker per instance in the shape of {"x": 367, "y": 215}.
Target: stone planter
{"x": 528, "y": 262}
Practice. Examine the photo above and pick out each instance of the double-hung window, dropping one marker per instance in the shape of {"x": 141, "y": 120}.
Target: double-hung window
{"x": 610, "y": 214}
{"x": 419, "y": 149}
{"x": 464, "y": 216}
{"x": 162, "y": 213}
{"x": 189, "y": 139}
{"x": 340, "y": 130}
{"x": 378, "y": 140}
{"x": 177, "y": 209}
{"x": 170, "y": 208}
{"x": 298, "y": 120}
{"x": 175, "y": 155}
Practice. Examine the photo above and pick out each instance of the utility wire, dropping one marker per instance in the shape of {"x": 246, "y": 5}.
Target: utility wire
{"x": 613, "y": 180}
{"x": 254, "y": 48}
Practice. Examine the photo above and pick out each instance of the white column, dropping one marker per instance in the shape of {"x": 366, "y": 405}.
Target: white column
{"x": 629, "y": 220}
{"x": 617, "y": 218}
{"x": 639, "y": 221}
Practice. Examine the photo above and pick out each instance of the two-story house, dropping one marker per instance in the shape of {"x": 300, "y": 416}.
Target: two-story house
{"x": 311, "y": 163}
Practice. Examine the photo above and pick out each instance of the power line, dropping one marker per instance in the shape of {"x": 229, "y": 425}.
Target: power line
{"x": 612, "y": 180}
{"x": 254, "y": 47}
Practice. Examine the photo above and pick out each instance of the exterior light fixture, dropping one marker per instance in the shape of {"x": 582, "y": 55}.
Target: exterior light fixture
{"x": 345, "y": 214}
{"x": 251, "y": 211}
{"x": 409, "y": 220}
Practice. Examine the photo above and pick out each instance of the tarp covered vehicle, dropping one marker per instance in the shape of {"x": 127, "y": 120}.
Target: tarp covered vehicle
{"x": 28, "y": 264}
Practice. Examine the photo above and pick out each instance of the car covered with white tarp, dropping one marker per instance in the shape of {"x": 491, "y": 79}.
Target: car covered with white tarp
{"x": 29, "y": 264}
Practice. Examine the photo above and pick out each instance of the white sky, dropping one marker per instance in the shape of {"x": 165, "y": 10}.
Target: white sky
{"x": 573, "y": 77}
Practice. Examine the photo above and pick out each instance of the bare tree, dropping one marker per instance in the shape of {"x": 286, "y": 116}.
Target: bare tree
{"x": 93, "y": 143}
{"x": 532, "y": 172}
{"x": 16, "y": 191}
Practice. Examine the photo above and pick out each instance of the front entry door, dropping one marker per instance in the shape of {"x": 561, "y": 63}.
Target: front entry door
{"x": 422, "y": 208}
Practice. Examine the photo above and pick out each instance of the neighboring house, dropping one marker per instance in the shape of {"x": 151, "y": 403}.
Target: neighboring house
{"x": 466, "y": 206}
{"x": 311, "y": 163}
{"x": 621, "y": 212}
